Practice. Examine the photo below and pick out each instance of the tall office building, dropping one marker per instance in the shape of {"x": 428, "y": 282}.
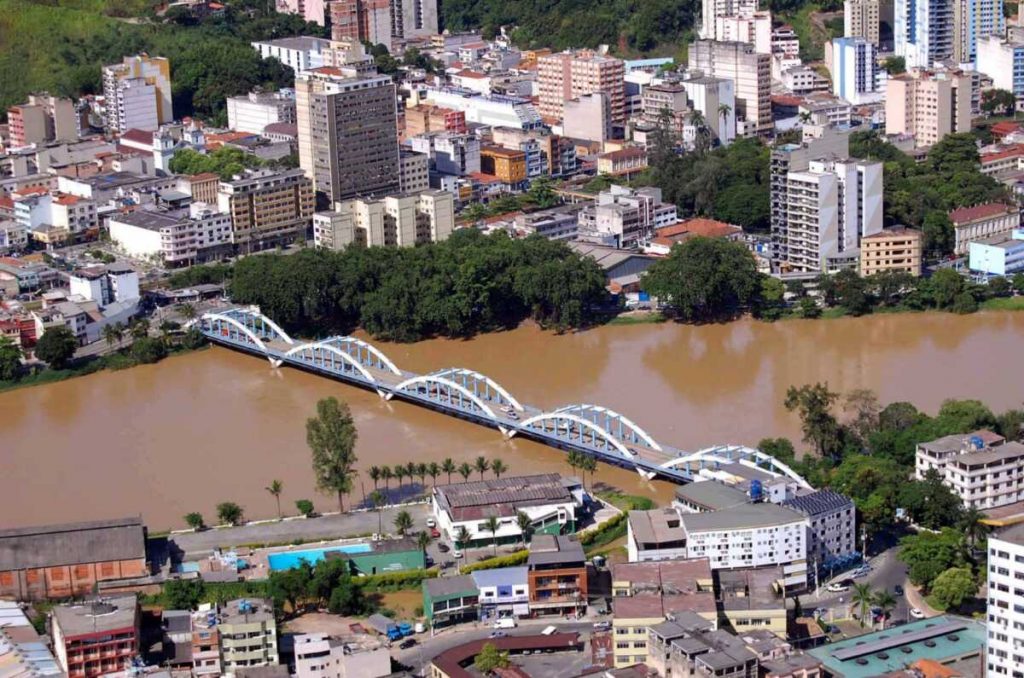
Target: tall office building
{"x": 856, "y": 75}
{"x": 755, "y": 29}
{"x": 1005, "y": 647}
{"x": 569, "y": 75}
{"x": 975, "y": 20}
{"x": 923, "y": 31}
{"x": 348, "y": 132}
{"x": 862, "y": 18}
{"x": 712, "y": 9}
{"x": 752, "y": 73}
{"x": 384, "y": 22}
{"x": 138, "y": 93}
{"x": 1003, "y": 61}
{"x": 928, "y": 104}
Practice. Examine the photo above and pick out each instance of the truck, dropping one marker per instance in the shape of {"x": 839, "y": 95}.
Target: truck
{"x": 505, "y": 623}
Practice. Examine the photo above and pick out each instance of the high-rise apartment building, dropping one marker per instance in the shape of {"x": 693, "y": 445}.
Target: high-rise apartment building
{"x": 384, "y": 22}
{"x": 267, "y": 208}
{"x": 928, "y": 104}
{"x": 754, "y": 29}
{"x": 138, "y": 93}
{"x": 394, "y": 221}
{"x": 1005, "y": 647}
{"x": 348, "y": 132}
{"x": 862, "y": 18}
{"x": 43, "y": 118}
{"x": 712, "y": 9}
{"x": 568, "y": 75}
{"x": 923, "y": 31}
{"x": 1003, "y": 61}
{"x": 975, "y": 20}
{"x": 715, "y": 98}
{"x": 750, "y": 70}
{"x": 856, "y": 75}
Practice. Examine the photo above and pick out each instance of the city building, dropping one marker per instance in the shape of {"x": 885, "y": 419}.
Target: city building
{"x": 449, "y": 153}
{"x": 413, "y": 171}
{"x": 557, "y": 223}
{"x": 248, "y": 634}
{"x": 625, "y": 162}
{"x": 982, "y": 468}
{"x": 175, "y": 237}
{"x": 691, "y": 646}
{"x": 367, "y": 21}
{"x": 832, "y": 533}
{"x": 267, "y": 208}
{"x": 69, "y": 560}
{"x": 646, "y": 594}
{"x": 1004, "y": 651}
{"x": 456, "y": 662}
{"x": 712, "y": 9}
{"x": 494, "y": 110}
{"x": 625, "y": 218}
{"x": 928, "y": 104}
{"x": 981, "y": 222}
{"x": 715, "y": 99}
{"x": 1003, "y": 61}
{"x": 348, "y": 134}
{"x": 202, "y": 187}
{"x": 423, "y": 118}
{"x": 891, "y": 249}
{"x": 999, "y": 255}
{"x": 450, "y": 600}
{"x": 856, "y": 75}
{"x": 753, "y": 600}
{"x": 300, "y": 53}
{"x": 504, "y": 592}
{"x": 557, "y": 575}
{"x": 394, "y": 221}
{"x": 750, "y": 70}
{"x": 568, "y": 75}
{"x": 97, "y": 637}
{"x": 105, "y": 284}
{"x": 862, "y": 18}
{"x": 549, "y": 500}
{"x": 320, "y": 656}
{"x": 588, "y": 117}
{"x": 975, "y": 20}
{"x": 23, "y": 654}
{"x": 505, "y": 164}
{"x": 254, "y": 111}
{"x": 43, "y": 118}
{"x": 753, "y": 28}
{"x": 309, "y": 10}
{"x": 137, "y": 93}
{"x": 923, "y": 31}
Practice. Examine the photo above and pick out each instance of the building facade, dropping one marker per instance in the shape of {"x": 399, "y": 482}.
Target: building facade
{"x": 253, "y": 112}
{"x": 248, "y": 634}
{"x": 712, "y": 9}
{"x": 1003, "y": 61}
{"x": 137, "y": 93}
{"x": 750, "y": 70}
{"x": 975, "y": 20}
{"x": 998, "y": 256}
{"x": 504, "y": 592}
{"x": 625, "y": 218}
{"x": 299, "y": 53}
{"x": 568, "y": 75}
{"x": 862, "y": 18}
{"x": 856, "y": 75}
{"x": 1005, "y": 647}
{"x": 982, "y": 468}
{"x": 892, "y": 249}
{"x": 928, "y": 104}
{"x": 42, "y": 118}
{"x": 981, "y": 222}
{"x": 557, "y": 575}
{"x": 96, "y": 638}
{"x": 267, "y": 208}
{"x": 394, "y": 221}
{"x": 923, "y": 31}
{"x": 319, "y": 656}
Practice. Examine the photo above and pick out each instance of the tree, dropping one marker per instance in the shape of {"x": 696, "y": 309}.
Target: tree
{"x": 10, "y": 360}
{"x": 347, "y": 597}
{"x": 403, "y": 522}
{"x": 929, "y": 554}
{"x": 448, "y": 466}
{"x": 482, "y": 466}
{"x": 378, "y": 500}
{"x": 492, "y": 525}
{"x": 421, "y": 473}
{"x": 589, "y": 465}
{"x": 229, "y": 513}
{"x": 973, "y": 526}
{"x": 886, "y": 602}
{"x": 964, "y": 304}
{"x": 525, "y": 525}
{"x": 999, "y": 287}
{"x": 399, "y": 471}
{"x": 489, "y": 659}
{"x": 187, "y": 311}
{"x": 938, "y": 234}
{"x": 498, "y": 467}
{"x": 819, "y": 426}
{"x": 1018, "y": 283}
{"x": 112, "y": 334}
{"x": 386, "y": 474}
{"x": 183, "y": 594}
{"x": 862, "y": 406}
{"x": 462, "y": 537}
{"x": 895, "y": 65}
{"x": 465, "y": 470}
{"x": 331, "y": 437}
{"x": 433, "y": 470}
{"x": 863, "y": 596}
{"x": 423, "y": 540}
{"x": 304, "y": 507}
{"x": 139, "y": 329}
{"x": 195, "y": 521}
{"x": 291, "y": 586}
{"x": 56, "y": 347}
{"x": 930, "y": 502}
{"x": 954, "y": 587}
{"x": 148, "y": 350}
{"x": 275, "y": 488}
{"x": 375, "y": 475}
{"x": 809, "y": 308}
{"x": 780, "y": 448}
{"x": 992, "y": 100}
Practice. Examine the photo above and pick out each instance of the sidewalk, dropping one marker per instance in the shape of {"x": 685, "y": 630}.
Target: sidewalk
{"x": 915, "y": 599}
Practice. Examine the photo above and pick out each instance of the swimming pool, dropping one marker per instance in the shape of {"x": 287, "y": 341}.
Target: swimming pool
{"x": 289, "y": 559}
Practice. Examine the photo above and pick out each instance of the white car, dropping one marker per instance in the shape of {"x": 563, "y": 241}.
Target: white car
{"x": 431, "y": 522}
{"x": 837, "y": 588}
{"x": 916, "y": 613}
{"x": 456, "y": 553}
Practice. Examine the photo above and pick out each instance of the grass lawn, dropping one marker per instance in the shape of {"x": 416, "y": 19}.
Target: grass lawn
{"x": 638, "y": 318}
{"x": 1003, "y": 304}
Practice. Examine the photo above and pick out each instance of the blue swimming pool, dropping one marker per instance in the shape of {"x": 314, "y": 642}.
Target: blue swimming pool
{"x": 289, "y": 559}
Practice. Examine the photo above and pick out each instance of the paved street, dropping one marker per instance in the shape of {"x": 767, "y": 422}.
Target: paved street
{"x": 888, "y": 572}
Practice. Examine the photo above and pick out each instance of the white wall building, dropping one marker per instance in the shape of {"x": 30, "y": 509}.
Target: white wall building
{"x": 301, "y": 53}
{"x": 982, "y": 468}
{"x": 1005, "y": 646}
{"x": 393, "y": 221}
{"x": 318, "y": 656}
{"x": 755, "y": 29}
{"x": 254, "y": 111}
{"x": 176, "y": 237}
{"x": 1003, "y": 61}
{"x": 923, "y": 31}
{"x": 494, "y": 110}
{"x": 856, "y": 76}
{"x": 712, "y": 9}
{"x": 625, "y": 218}
{"x": 715, "y": 98}
{"x": 457, "y": 154}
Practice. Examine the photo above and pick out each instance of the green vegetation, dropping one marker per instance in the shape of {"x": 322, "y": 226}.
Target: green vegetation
{"x": 331, "y": 436}
{"x": 225, "y": 162}
{"x": 895, "y": 65}
{"x": 489, "y": 659}
{"x": 511, "y": 560}
{"x": 540, "y": 195}
{"x": 1003, "y": 304}
{"x": 230, "y": 513}
{"x": 195, "y": 520}
{"x": 57, "y": 347}
{"x": 998, "y": 101}
{"x": 643, "y": 318}
{"x": 470, "y": 283}
{"x": 953, "y": 588}
{"x": 626, "y": 502}
{"x": 209, "y": 274}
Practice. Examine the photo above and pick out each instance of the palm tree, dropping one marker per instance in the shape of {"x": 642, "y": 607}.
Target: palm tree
{"x": 274, "y": 488}
{"x": 433, "y": 470}
{"x": 410, "y": 470}
{"x": 423, "y": 540}
{"x": 421, "y": 473}
{"x": 886, "y": 602}
{"x": 972, "y": 525}
{"x": 498, "y": 467}
{"x": 723, "y": 112}
{"x": 374, "y": 474}
{"x": 465, "y": 470}
{"x": 805, "y": 117}
{"x": 574, "y": 460}
{"x": 399, "y": 471}
{"x": 139, "y": 329}
{"x": 525, "y": 525}
{"x": 482, "y": 465}
{"x": 187, "y": 311}
{"x": 862, "y": 597}
{"x": 112, "y": 334}
{"x": 386, "y": 475}
{"x": 403, "y": 521}
{"x": 448, "y": 466}
{"x": 588, "y": 464}
{"x": 377, "y": 499}
{"x": 462, "y": 537}
{"x": 492, "y": 525}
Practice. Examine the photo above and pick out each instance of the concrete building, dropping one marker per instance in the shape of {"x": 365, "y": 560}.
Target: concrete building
{"x": 98, "y": 637}
{"x": 413, "y": 171}
{"x": 928, "y": 104}
{"x": 625, "y": 162}
{"x": 891, "y": 249}
{"x": 832, "y": 534}
{"x": 557, "y": 575}
{"x": 923, "y": 31}
{"x": 625, "y": 218}
{"x": 1004, "y": 655}
{"x": 715, "y": 98}
{"x": 1003, "y": 61}
{"x": 691, "y": 646}
{"x": 367, "y": 21}
{"x": 982, "y": 222}
{"x": 504, "y": 592}
{"x": 320, "y": 656}
{"x": 177, "y": 237}
{"x": 300, "y": 53}
{"x": 267, "y": 208}
{"x": 495, "y": 110}
{"x": 588, "y": 117}
{"x": 568, "y": 75}
{"x": 310, "y": 10}
{"x": 105, "y": 284}
{"x": 393, "y": 221}
{"x": 862, "y": 18}
{"x": 549, "y": 500}
{"x": 752, "y": 28}
{"x": 68, "y": 560}
{"x": 253, "y": 112}
{"x": 504, "y": 164}
{"x": 752, "y": 600}
{"x": 557, "y": 223}
{"x": 456, "y": 154}
{"x": 712, "y": 9}
{"x": 137, "y": 93}
{"x": 450, "y": 600}
{"x": 856, "y": 75}
{"x": 43, "y": 118}
{"x": 998, "y": 256}
{"x": 248, "y": 634}
{"x": 975, "y": 20}
{"x": 348, "y": 134}
{"x": 982, "y": 468}
{"x": 751, "y": 72}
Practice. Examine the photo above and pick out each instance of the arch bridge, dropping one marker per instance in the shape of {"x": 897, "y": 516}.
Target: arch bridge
{"x": 591, "y": 429}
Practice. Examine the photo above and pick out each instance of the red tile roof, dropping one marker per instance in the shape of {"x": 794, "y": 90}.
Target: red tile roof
{"x": 985, "y": 211}
{"x": 138, "y": 136}
{"x": 699, "y": 226}
{"x": 1001, "y": 129}
{"x": 1009, "y": 152}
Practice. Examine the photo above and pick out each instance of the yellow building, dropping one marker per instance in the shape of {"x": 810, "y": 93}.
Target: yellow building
{"x": 893, "y": 249}
{"x": 751, "y": 600}
{"x": 507, "y": 165}
{"x": 267, "y": 208}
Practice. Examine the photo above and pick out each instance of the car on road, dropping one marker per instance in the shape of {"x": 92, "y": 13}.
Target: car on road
{"x": 456, "y": 553}
{"x": 838, "y": 587}
{"x": 407, "y": 643}
{"x": 916, "y": 613}
{"x": 498, "y": 634}
{"x": 434, "y": 533}
{"x": 602, "y": 625}
{"x": 431, "y": 522}
{"x": 443, "y": 548}
{"x": 898, "y": 590}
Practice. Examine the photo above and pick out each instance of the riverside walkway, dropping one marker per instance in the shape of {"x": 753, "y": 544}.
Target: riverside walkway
{"x": 591, "y": 429}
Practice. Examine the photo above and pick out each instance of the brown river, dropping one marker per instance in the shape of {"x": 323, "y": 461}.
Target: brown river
{"x": 212, "y": 426}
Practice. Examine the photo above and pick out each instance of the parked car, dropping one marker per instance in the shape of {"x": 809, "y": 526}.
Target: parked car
{"x": 443, "y": 548}
{"x": 916, "y": 613}
{"x": 434, "y": 534}
{"x": 505, "y": 623}
{"x": 838, "y": 587}
{"x": 407, "y": 643}
{"x": 431, "y": 522}
{"x": 898, "y": 590}
{"x": 602, "y": 625}
{"x": 456, "y": 553}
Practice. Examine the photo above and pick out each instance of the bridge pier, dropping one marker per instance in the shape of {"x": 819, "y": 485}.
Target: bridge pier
{"x": 274, "y": 361}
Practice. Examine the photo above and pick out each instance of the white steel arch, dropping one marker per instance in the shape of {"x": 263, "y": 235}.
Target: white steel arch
{"x": 431, "y": 379}
{"x": 238, "y": 325}
{"x": 585, "y": 423}
{"x": 626, "y": 421}
{"x": 336, "y": 351}
{"x": 255, "y": 312}
{"x": 369, "y": 347}
{"x": 713, "y": 454}
{"x": 483, "y": 377}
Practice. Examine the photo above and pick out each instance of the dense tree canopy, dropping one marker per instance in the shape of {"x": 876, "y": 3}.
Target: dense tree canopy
{"x": 224, "y": 161}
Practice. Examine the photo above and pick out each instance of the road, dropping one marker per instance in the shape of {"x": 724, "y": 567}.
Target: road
{"x": 887, "y": 573}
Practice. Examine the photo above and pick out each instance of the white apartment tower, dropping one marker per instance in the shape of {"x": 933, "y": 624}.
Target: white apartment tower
{"x": 856, "y": 76}
{"x": 137, "y": 92}
{"x": 923, "y": 31}
{"x": 975, "y": 20}
{"x": 1005, "y": 646}
{"x": 751, "y": 72}
{"x": 712, "y": 9}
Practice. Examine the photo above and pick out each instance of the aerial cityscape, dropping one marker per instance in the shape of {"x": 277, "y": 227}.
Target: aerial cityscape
{"x": 451, "y": 339}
